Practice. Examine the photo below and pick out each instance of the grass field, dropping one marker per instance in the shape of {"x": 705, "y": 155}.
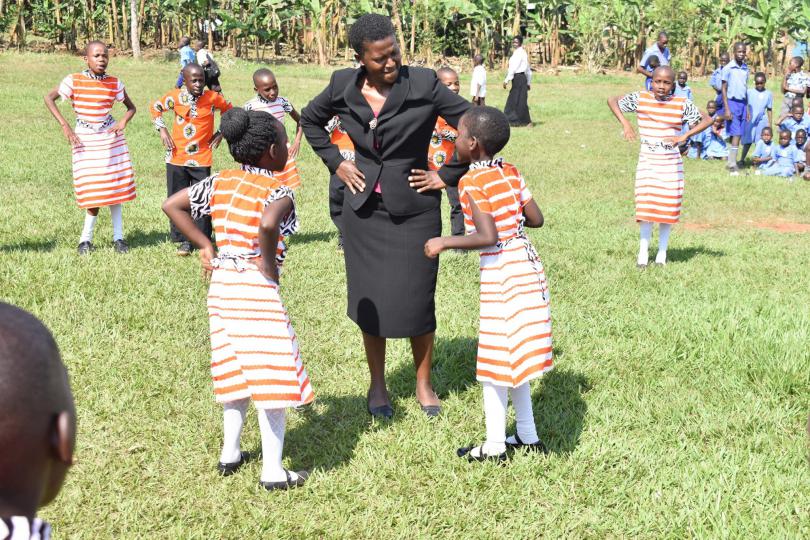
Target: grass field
{"x": 677, "y": 407}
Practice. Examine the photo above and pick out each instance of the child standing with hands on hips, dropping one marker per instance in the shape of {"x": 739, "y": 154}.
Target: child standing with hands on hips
{"x": 255, "y": 352}
{"x": 659, "y": 175}
{"x": 514, "y": 342}
{"x": 102, "y": 168}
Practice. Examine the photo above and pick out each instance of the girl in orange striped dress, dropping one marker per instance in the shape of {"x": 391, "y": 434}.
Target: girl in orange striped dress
{"x": 255, "y": 352}
{"x": 268, "y": 100}
{"x": 102, "y": 169}
{"x": 514, "y": 342}
{"x": 659, "y": 175}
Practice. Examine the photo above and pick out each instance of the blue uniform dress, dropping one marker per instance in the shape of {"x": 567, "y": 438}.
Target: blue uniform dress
{"x": 714, "y": 146}
{"x": 793, "y": 126}
{"x": 759, "y": 103}
{"x": 699, "y": 139}
{"x": 686, "y": 92}
{"x": 763, "y": 150}
{"x": 653, "y": 50}
{"x": 801, "y": 151}
{"x": 784, "y": 161}
{"x": 736, "y": 78}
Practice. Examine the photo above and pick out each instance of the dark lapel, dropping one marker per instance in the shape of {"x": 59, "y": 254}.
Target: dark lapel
{"x": 397, "y": 96}
{"x": 359, "y": 107}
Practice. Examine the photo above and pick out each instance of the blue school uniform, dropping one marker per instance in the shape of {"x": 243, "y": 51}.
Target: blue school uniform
{"x": 653, "y": 50}
{"x": 783, "y": 162}
{"x": 763, "y": 150}
{"x": 716, "y": 80}
{"x": 736, "y": 78}
{"x": 714, "y": 146}
{"x": 759, "y": 103}
{"x": 698, "y": 139}
{"x": 801, "y": 152}
{"x": 683, "y": 91}
{"x": 793, "y": 126}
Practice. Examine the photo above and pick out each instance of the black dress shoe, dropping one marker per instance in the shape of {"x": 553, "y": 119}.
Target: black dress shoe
{"x": 85, "y": 248}
{"x": 287, "y": 484}
{"x": 481, "y": 457}
{"x": 385, "y": 412}
{"x": 532, "y": 447}
{"x": 431, "y": 411}
{"x": 120, "y": 246}
{"x": 227, "y": 469}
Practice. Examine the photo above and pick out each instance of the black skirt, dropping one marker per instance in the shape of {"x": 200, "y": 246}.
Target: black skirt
{"x": 517, "y": 103}
{"x": 391, "y": 283}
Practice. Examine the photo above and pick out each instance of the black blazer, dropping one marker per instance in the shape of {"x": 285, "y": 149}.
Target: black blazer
{"x": 402, "y": 133}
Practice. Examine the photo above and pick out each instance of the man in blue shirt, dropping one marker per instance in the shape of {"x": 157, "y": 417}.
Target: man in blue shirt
{"x": 735, "y": 99}
{"x": 658, "y": 49}
{"x": 187, "y": 56}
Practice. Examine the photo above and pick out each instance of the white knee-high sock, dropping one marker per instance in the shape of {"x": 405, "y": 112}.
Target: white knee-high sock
{"x": 495, "y": 401}
{"x": 89, "y": 226}
{"x": 645, "y": 233}
{"x": 272, "y": 423}
{"x": 117, "y": 215}
{"x": 233, "y": 418}
{"x": 524, "y": 415}
{"x": 663, "y": 241}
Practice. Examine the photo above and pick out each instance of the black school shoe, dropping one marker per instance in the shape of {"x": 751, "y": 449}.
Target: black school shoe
{"x": 184, "y": 249}
{"x": 227, "y": 469}
{"x": 120, "y": 246}
{"x": 533, "y": 447}
{"x": 85, "y": 248}
{"x": 287, "y": 484}
{"x": 481, "y": 457}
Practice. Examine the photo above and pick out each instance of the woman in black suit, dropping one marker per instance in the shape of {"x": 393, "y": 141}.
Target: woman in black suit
{"x": 392, "y": 203}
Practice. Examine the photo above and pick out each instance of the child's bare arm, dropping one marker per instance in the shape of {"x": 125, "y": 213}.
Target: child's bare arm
{"x": 50, "y": 103}
{"x": 269, "y": 225}
{"x": 486, "y": 234}
{"x": 613, "y": 103}
{"x": 131, "y": 110}
{"x": 178, "y": 209}
{"x": 726, "y": 110}
{"x": 533, "y": 215}
{"x": 299, "y": 132}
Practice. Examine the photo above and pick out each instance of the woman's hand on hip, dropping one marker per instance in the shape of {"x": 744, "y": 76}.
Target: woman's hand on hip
{"x": 350, "y": 175}
{"x": 422, "y": 180}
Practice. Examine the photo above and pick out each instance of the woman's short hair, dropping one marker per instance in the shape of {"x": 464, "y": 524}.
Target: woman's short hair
{"x": 369, "y": 28}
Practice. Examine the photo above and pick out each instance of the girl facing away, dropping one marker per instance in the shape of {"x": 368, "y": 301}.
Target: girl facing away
{"x": 255, "y": 354}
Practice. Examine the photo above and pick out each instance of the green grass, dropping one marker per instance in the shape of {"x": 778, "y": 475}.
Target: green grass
{"x": 677, "y": 407}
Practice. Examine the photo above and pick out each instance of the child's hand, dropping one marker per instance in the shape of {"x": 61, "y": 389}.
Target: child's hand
{"x": 434, "y": 246}
{"x": 629, "y": 134}
{"x": 673, "y": 142}
{"x": 294, "y": 149}
{"x": 206, "y": 254}
{"x": 166, "y": 139}
{"x": 119, "y": 127}
{"x": 71, "y": 136}
{"x": 269, "y": 268}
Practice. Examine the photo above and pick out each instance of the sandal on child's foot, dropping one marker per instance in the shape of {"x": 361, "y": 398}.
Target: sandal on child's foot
{"x": 530, "y": 447}
{"x": 301, "y": 477}
{"x": 227, "y": 469}
{"x": 476, "y": 453}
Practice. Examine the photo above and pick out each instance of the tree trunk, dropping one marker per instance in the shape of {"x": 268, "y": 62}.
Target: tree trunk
{"x": 112, "y": 22}
{"x": 398, "y": 24}
{"x": 134, "y": 33}
{"x": 60, "y": 35}
{"x": 413, "y": 29}
{"x": 124, "y": 23}
{"x": 210, "y": 24}
{"x": 516, "y": 22}
{"x": 141, "y": 17}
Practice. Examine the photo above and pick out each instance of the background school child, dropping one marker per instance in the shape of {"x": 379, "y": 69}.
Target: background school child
{"x": 189, "y": 147}
{"x": 714, "y": 143}
{"x": 38, "y": 428}
{"x": 653, "y": 63}
{"x": 187, "y": 56}
{"x": 785, "y": 158}
{"x": 268, "y": 100}
{"x": 763, "y": 151}
{"x": 759, "y": 114}
{"x": 255, "y": 352}
{"x": 734, "y": 93}
{"x": 442, "y": 146}
{"x": 716, "y": 79}
{"x": 211, "y": 68}
{"x": 698, "y": 141}
{"x": 102, "y": 168}
{"x": 341, "y": 139}
{"x": 682, "y": 89}
{"x": 478, "y": 83}
{"x": 659, "y": 175}
{"x": 795, "y": 121}
{"x": 800, "y": 141}
{"x": 795, "y": 84}
{"x": 514, "y": 342}
{"x": 662, "y": 56}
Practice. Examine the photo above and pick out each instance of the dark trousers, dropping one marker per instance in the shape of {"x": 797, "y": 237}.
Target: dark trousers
{"x": 179, "y": 178}
{"x": 456, "y": 216}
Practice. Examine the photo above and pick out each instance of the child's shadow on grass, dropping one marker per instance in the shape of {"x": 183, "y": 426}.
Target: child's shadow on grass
{"x": 684, "y": 254}
{"x": 559, "y": 409}
{"x": 43, "y": 246}
{"x": 139, "y": 238}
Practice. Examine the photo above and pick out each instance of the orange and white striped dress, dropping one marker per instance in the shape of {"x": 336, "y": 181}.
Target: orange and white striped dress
{"x": 278, "y": 108}
{"x": 659, "y": 175}
{"x": 254, "y": 349}
{"x": 102, "y": 168}
{"x": 514, "y": 342}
